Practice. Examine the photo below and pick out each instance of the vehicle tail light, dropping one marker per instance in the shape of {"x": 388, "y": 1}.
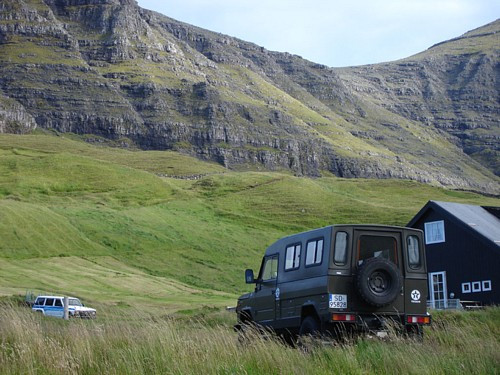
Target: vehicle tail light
{"x": 419, "y": 319}
{"x": 344, "y": 317}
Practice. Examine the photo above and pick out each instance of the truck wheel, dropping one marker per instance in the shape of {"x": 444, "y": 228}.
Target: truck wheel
{"x": 309, "y": 326}
{"x": 309, "y": 329}
{"x": 248, "y": 332}
{"x": 415, "y": 332}
{"x": 378, "y": 281}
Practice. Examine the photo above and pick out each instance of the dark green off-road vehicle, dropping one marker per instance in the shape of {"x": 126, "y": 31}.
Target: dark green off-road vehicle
{"x": 338, "y": 278}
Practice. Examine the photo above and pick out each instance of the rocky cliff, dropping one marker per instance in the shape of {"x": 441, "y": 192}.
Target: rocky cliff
{"x": 110, "y": 68}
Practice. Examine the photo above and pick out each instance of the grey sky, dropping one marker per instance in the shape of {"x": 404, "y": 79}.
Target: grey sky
{"x": 335, "y": 32}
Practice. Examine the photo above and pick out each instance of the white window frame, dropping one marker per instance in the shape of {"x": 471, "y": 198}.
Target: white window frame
{"x": 295, "y": 260}
{"x": 313, "y": 248}
{"x": 474, "y": 288}
{"x": 428, "y": 229}
{"x": 432, "y": 295}
{"x": 466, "y": 288}
{"x": 486, "y": 288}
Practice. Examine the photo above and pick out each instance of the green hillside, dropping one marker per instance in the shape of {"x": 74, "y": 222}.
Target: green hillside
{"x": 103, "y": 223}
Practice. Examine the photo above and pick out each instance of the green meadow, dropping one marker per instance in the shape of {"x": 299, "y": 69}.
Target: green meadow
{"x": 105, "y": 224}
{"x": 158, "y": 241}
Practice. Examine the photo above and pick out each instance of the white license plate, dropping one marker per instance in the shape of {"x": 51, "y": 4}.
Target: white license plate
{"x": 338, "y": 301}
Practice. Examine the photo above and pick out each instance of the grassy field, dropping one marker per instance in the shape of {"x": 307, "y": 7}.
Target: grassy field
{"x": 139, "y": 343}
{"x": 106, "y": 225}
{"x": 161, "y": 257}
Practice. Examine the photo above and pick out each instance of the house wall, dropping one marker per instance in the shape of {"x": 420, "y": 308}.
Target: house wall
{"x": 465, "y": 258}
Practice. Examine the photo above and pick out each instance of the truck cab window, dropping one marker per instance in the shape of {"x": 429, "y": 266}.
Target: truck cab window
{"x": 270, "y": 269}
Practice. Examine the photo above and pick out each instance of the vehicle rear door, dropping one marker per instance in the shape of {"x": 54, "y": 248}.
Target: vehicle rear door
{"x": 416, "y": 274}
{"x": 384, "y": 244}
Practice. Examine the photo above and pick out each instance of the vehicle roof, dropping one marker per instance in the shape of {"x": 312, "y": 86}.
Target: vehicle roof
{"x": 361, "y": 226}
{"x": 274, "y": 247}
{"x": 47, "y": 296}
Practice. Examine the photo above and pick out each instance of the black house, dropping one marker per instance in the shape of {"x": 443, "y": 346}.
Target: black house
{"x": 462, "y": 243}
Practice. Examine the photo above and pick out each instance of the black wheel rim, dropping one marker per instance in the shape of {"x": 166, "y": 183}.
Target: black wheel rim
{"x": 379, "y": 282}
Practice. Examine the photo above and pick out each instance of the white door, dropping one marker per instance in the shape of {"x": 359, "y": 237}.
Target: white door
{"x": 437, "y": 288}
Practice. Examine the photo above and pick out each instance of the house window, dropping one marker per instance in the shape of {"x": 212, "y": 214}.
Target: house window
{"x": 465, "y": 287}
{"x": 314, "y": 252}
{"x": 434, "y": 232}
{"x": 292, "y": 257}
{"x": 476, "y": 286}
{"x": 486, "y": 285}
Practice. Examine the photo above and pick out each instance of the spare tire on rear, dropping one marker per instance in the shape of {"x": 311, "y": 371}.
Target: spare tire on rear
{"x": 378, "y": 281}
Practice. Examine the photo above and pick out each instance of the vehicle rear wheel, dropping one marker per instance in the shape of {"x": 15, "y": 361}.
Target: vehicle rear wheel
{"x": 309, "y": 326}
{"x": 378, "y": 281}
{"x": 415, "y": 332}
{"x": 309, "y": 330}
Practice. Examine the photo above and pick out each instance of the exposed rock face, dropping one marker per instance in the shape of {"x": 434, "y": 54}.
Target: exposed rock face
{"x": 14, "y": 118}
{"x": 110, "y": 68}
{"x": 456, "y": 93}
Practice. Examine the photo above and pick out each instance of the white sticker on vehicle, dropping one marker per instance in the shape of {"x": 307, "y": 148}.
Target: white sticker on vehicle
{"x": 415, "y": 296}
{"x": 338, "y": 301}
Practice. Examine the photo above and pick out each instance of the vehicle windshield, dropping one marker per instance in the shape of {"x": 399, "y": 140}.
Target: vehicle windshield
{"x": 75, "y": 302}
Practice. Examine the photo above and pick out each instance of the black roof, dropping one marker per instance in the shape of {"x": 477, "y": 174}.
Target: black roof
{"x": 482, "y": 221}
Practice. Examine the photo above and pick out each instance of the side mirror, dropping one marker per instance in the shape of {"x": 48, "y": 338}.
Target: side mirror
{"x": 249, "y": 278}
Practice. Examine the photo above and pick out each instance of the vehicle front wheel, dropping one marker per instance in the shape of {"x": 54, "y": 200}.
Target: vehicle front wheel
{"x": 247, "y": 333}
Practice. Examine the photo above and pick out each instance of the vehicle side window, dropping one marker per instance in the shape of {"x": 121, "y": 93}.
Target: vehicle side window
{"x": 314, "y": 252}
{"x": 413, "y": 252}
{"x": 377, "y": 246}
{"x": 49, "y": 302}
{"x": 40, "y": 301}
{"x": 340, "y": 255}
{"x": 292, "y": 257}
{"x": 270, "y": 269}
{"x": 58, "y": 302}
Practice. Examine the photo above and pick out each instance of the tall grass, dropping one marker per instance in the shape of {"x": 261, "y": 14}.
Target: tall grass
{"x": 457, "y": 343}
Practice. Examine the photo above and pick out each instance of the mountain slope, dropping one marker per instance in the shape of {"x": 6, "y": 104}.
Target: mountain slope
{"x": 453, "y": 87}
{"x": 115, "y": 70}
